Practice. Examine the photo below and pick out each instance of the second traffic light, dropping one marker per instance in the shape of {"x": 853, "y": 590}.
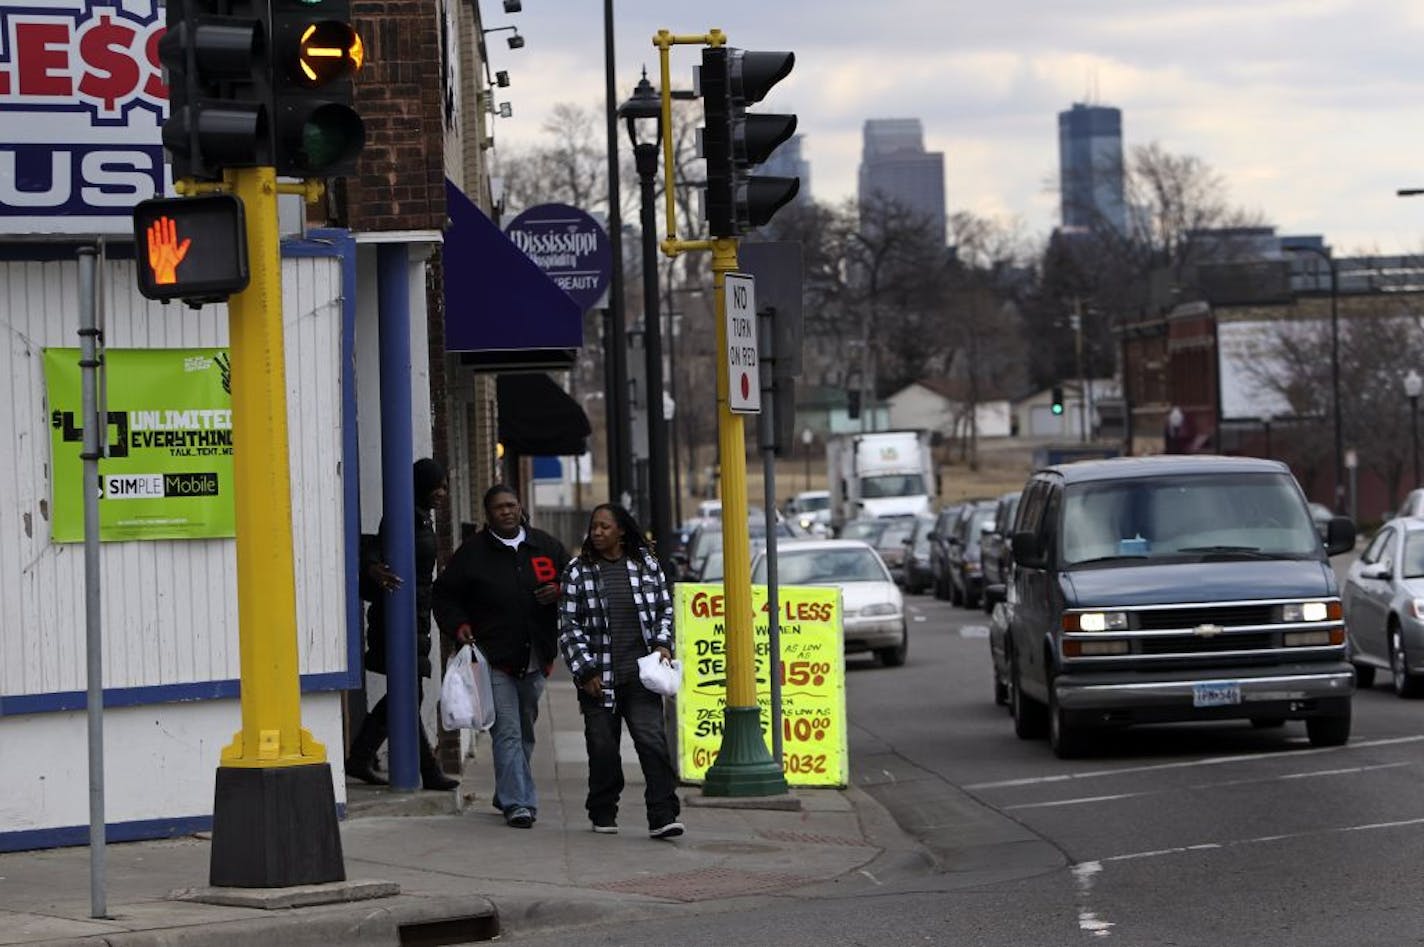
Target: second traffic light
{"x": 315, "y": 52}
{"x": 733, "y": 141}
{"x": 218, "y": 97}
{"x": 1057, "y": 404}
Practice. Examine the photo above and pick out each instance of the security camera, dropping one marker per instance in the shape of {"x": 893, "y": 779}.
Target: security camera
{"x": 512, "y": 6}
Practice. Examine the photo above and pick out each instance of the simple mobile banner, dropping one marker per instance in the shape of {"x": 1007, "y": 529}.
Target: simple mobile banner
{"x": 168, "y": 472}
{"x": 812, "y": 670}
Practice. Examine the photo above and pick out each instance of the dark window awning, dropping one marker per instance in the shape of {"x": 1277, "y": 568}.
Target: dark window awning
{"x": 537, "y": 417}
{"x": 501, "y": 310}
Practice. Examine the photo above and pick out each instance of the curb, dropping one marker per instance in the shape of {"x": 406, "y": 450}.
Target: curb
{"x": 401, "y": 919}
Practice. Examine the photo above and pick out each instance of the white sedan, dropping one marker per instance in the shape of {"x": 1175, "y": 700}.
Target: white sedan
{"x": 873, "y": 606}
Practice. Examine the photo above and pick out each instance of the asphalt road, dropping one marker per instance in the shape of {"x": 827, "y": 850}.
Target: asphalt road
{"x": 1208, "y": 835}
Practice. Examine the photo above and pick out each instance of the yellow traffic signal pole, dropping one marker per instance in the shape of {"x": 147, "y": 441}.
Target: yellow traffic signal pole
{"x": 274, "y": 776}
{"x": 744, "y": 766}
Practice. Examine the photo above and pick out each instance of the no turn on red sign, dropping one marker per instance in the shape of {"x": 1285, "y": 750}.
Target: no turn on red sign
{"x": 743, "y": 377}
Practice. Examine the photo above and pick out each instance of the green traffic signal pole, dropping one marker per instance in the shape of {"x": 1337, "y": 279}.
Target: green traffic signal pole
{"x": 744, "y": 766}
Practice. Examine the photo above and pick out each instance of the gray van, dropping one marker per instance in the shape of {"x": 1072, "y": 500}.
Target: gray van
{"x": 1173, "y": 588}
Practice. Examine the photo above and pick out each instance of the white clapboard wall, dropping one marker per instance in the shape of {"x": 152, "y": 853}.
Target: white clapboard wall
{"x": 169, "y": 607}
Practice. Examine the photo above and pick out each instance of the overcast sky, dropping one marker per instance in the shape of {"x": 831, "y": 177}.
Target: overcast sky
{"x": 1311, "y": 110}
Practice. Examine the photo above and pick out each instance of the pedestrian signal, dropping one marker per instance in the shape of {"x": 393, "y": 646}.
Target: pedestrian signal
{"x": 191, "y": 248}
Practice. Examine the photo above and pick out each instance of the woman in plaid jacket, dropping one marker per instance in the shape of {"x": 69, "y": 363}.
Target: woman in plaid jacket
{"x": 616, "y": 608}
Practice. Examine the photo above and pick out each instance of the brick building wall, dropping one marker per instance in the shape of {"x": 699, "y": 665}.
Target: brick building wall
{"x": 400, "y": 181}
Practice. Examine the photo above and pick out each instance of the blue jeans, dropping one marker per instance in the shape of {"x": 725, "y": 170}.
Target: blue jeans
{"x": 516, "y": 708}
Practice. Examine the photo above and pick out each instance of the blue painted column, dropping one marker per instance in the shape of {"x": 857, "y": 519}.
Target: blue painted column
{"x": 398, "y": 508}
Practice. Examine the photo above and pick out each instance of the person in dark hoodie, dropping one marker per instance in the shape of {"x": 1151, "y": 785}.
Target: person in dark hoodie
{"x": 430, "y": 491}
{"x": 501, "y": 591}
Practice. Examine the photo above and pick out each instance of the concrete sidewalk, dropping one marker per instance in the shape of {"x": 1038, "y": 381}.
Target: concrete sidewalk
{"x": 462, "y": 873}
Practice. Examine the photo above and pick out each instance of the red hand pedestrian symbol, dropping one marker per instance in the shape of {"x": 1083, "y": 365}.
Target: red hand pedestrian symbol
{"x": 164, "y": 250}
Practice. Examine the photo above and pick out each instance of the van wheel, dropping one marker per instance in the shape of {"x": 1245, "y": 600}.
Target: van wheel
{"x": 1364, "y": 676}
{"x": 1329, "y": 731}
{"x": 1030, "y": 718}
{"x": 1406, "y": 684}
{"x": 1066, "y": 740}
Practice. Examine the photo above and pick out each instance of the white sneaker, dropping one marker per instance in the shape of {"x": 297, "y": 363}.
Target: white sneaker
{"x": 667, "y": 830}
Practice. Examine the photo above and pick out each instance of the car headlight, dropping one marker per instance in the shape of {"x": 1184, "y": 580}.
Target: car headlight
{"x": 1095, "y": 621}
{"x": 879, "y": 608}
{"x": 1416, "y": 607}
{"x": 1309, "y": 611}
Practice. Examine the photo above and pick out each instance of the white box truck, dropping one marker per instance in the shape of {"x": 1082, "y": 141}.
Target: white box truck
{"x": 880, "y": 473}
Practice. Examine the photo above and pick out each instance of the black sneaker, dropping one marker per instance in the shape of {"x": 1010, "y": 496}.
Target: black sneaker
{"x": 519, "y": 818}
{"x": 667, "y": 830}
{"x": 605, "y": 826}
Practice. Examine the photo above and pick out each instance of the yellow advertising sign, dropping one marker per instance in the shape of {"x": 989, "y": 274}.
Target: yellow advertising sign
{"x": 812, "y": 669}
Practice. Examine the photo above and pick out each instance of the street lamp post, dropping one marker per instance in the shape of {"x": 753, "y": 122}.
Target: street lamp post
{"x": 1266, "y": 426}
{"x": 806, "y": 438}
{"x": 643, "y": 114}
{"x": 1413, "y": 385}
{"x": 1339, "y": 436}
{"x": 615, "y": 354}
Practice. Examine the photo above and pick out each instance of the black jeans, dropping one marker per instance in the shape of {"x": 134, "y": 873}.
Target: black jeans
{"x": 642, "y": 711}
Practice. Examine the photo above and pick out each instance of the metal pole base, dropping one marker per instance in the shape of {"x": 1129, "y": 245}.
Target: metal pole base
{"x": 275, "y": 827}
{"x": 743, "y": 766}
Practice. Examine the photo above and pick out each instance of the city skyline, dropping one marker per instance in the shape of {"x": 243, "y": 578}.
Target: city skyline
{"x": 1307, "y": 112}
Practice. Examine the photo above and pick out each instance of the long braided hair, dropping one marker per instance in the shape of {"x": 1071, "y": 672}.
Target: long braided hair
{"x": 633, "y": 541}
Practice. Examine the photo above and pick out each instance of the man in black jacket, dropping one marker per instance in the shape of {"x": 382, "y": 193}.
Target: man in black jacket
{"x": 501, "y": 591}
{"x": 430, "y": 491}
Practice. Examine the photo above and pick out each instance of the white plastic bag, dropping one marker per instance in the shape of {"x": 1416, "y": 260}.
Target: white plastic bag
{"x": 660, "y": 676}
{"x": 466, "y": 697}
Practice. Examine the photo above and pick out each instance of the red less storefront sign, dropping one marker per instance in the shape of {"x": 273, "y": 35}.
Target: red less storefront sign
{"x": 81, "y": 101}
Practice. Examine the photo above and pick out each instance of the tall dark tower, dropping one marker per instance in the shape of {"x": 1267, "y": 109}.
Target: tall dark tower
{"x": 1090, "y": 167}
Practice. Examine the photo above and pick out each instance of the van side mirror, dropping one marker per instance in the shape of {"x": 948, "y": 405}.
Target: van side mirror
{"x": 1340, "y": 535}
{"x": 1026, "y": 548}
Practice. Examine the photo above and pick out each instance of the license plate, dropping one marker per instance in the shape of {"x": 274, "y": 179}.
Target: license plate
{"x": 1216, "y": 694}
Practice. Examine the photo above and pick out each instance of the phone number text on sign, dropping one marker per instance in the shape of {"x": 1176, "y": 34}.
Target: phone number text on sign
{"x": 811, "y": 670}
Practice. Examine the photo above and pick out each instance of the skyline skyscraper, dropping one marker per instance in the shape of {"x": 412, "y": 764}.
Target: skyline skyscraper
{"x": 1090, "y": 167}
{"x": 895, "y": 166}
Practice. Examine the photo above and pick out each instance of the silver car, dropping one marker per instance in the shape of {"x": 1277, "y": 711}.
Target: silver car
{"x": 873, "y": 608}
{"x": 1384, "y": 607}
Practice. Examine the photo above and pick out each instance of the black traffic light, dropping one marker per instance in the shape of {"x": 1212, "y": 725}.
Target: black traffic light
{"x": 733, "y": 141}
{"x": 1057, "y": 406}
{"x": 191, "y": 248}
{"x": 315, "y": 52}
{"x": 214, "y": 55}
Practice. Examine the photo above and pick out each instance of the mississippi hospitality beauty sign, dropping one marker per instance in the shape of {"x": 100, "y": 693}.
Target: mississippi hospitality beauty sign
{"x": 812, "y": 670}
{"x": 168, "y": 473}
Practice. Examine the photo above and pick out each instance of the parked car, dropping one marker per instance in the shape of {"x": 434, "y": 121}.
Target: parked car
{"x": 939, "y": 548}
{"x": 994, "y": 551}
{"x": 873, "y": 615}
{"x": 1169, "y": 588}
{"x": 966, "y": 569}
{"x": 917, "y": 574}
{"x": 1384, "y": 607}
{"x": 891, "y": 544}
